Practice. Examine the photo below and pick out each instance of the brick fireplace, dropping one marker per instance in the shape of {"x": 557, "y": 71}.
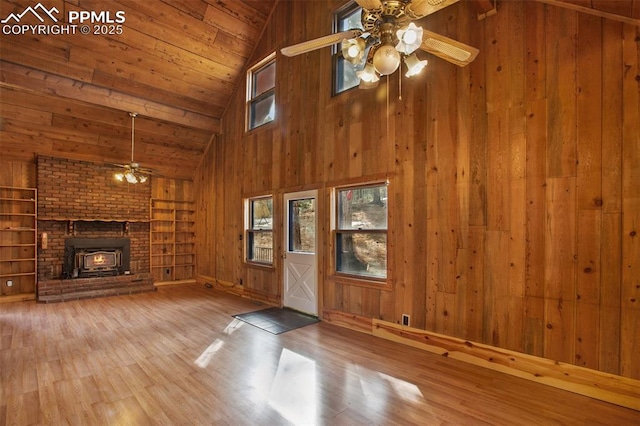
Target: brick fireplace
{"x": 97, "y": 232}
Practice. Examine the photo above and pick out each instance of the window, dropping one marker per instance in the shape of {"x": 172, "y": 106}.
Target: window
{"x": 259, "y": 224}
{"x": 345, "y": 77}
{"x": 261, "y": 93}
{"x": 361, "y": 230}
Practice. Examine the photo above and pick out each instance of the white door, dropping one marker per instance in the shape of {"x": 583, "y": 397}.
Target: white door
{"x": 300, "y": 260}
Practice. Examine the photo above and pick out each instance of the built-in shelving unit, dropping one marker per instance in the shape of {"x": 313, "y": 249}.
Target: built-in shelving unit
{"x": 172, "y": 240}
{"x": 18, "y": 240}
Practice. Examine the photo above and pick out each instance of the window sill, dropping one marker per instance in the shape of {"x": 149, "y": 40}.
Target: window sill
{"x": 263, "y": 127}
{"x": 385, "y": 284}
{"x": 258, "y": 265}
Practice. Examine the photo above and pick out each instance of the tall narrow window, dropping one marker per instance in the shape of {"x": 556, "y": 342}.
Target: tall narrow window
{"x": 261, "y": 93}
{"x": 260, "y": 230}
{"x": 361, "y": 230}
{"x": 344, "y": 75}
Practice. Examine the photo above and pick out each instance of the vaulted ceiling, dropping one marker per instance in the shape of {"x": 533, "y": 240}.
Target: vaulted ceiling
{"x": 174, "y": 62}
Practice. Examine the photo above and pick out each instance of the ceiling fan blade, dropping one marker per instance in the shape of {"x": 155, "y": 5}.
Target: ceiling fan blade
{"x": 448, "y": 49}
{"x": 419, "y": 8}
{"x": 318, "y": 43}
{"x": 369, "y": 4}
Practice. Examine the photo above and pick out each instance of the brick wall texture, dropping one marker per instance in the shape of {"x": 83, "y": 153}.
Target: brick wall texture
{"x": 82, "y": 190}
{"x": 99, "y": 206}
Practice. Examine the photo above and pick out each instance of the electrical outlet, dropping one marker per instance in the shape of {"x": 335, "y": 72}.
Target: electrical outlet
{"x": 9, "y": 283}
{"x": 405, "y": 320}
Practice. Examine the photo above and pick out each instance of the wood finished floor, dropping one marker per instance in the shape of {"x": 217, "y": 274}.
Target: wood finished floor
{"x": 178, "y": 357}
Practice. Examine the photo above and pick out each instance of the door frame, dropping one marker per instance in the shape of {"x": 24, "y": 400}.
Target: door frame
{"x": 296, "y": 195}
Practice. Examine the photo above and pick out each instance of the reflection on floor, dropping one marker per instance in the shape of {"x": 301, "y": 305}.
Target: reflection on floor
{"x": 177, "y": 357}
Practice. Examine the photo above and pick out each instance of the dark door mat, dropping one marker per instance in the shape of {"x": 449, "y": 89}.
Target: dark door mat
{"x": 276, "y": 320}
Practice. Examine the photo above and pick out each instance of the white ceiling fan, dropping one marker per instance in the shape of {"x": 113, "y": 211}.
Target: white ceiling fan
{"x": 132, "y": 172}
{"x": 389, "y": 37}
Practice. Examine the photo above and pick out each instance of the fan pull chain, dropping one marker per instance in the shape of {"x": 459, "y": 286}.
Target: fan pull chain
{"x": 400, "y": 86}
{"x": 133, "y": 130}
{"x": 387, "y": 87}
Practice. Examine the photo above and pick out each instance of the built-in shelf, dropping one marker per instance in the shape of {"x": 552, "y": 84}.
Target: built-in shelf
{"x": 18, "y": 241}
{"x": 171, "y": 226}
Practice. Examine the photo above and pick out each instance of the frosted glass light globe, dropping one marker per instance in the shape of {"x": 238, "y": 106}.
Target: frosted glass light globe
{"x": 386, "y": 59}
{"x": 410, "y": 36}
{"x": 353, "y": 51}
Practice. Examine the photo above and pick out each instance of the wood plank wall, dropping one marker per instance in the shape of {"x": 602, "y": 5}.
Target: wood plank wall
{"x": 514, "y": 182}
{"x": 19, "y": 174}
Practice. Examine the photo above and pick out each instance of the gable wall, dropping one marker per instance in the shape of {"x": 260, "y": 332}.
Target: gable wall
{"x": 514, "y": 181}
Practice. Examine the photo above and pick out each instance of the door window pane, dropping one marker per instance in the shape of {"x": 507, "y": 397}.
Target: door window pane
{"x": 302, "y": 230}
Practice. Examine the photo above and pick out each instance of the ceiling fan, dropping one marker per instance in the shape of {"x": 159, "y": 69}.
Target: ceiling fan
{"x": 389, "y": 37}
{"x": 132, "y": 172}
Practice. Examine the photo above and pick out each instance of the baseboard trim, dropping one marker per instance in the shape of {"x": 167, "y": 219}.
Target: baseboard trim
{"x": 17, "y": 297}
{"x": 595, "y": 384}
{"x": 175, "y": 282}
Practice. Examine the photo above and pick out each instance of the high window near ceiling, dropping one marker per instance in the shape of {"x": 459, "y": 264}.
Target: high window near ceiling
{"x": 261, "y": 92}
{"x": 344, "y": 74}
{"x": 360, "y": 228}
{"x": 259, "y": 230}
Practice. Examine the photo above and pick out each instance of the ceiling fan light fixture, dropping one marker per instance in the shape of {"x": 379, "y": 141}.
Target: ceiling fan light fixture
{"x": 386, "y": 60}
{"x": 414, "y": 65}
{"x": 131, "y": 174}
{"x": 410, "y": 38}
{"x": 353, "y": 50}
{"x": 130, "y": 177}
{"x": 368, "y": 74}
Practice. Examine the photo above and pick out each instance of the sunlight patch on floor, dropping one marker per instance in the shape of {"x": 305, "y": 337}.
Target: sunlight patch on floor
{"x": 407, "y": 391}
{"x": 207, "y": 355}
{"x": 233, "y": 326}
{"x": 293, "y": 392}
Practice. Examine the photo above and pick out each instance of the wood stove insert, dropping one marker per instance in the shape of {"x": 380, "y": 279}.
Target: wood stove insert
{"x": 96, "y": 257}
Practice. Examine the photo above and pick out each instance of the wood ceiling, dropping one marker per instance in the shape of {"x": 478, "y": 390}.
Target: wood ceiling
{"x": 176, "y": 63}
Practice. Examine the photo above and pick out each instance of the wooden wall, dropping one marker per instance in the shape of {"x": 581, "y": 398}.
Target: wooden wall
{"x": 19, "y": 174}
{"x": 515, "y": 182}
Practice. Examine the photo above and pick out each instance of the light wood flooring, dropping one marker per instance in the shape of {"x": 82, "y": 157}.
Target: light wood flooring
{"x": 177, "y": 357}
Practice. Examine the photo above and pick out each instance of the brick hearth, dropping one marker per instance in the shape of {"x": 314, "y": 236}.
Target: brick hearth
{"x": 60, "y": 290}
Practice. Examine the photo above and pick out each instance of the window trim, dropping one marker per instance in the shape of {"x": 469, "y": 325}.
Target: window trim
{"x": 336, "y": 53}
{"x": 371, "y": 281}
{"x": 249, "y": 230}
{"x": 250, "y": 99}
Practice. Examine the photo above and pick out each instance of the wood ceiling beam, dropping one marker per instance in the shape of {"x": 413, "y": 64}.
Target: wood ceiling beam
{"x": 590, "y": 11}
{"x": 35, "y": 81}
